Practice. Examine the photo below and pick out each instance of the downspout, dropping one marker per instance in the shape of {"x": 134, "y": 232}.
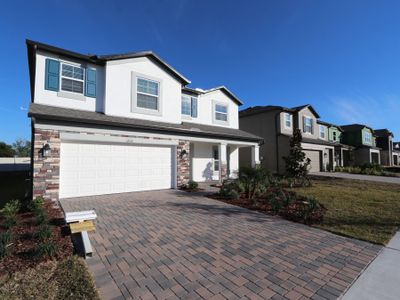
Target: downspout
{"x": 276, "y": 141}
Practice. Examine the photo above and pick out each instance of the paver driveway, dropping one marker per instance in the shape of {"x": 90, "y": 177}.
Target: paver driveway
{"x": 171, "y": 244}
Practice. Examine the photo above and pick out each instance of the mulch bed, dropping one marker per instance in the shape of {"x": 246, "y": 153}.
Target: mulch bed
{"x": 24, "y": 244}
{"x": 292, "y": 212}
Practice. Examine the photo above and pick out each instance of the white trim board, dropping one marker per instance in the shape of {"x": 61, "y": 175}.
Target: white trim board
{"x": 82, "y": 137}
{"x": 141, "y": 134}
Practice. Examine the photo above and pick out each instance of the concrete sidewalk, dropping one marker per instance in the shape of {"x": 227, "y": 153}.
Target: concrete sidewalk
{"x": 381, "y": 280}
{"x": 384, "y": 179}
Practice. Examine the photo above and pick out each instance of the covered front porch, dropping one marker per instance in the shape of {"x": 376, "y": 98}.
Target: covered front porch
{"x": 210, "y": 161}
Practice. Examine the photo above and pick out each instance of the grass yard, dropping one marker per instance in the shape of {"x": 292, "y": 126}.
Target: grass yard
{"x": 364, "y": 210}
{"x": 51, "y": 280}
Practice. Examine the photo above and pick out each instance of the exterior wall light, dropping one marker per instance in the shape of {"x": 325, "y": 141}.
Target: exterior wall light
{"x": 46, "y": 150}
{"x": 183, "y": 154}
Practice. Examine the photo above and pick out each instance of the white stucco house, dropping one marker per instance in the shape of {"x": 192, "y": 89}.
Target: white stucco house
{"x": 122, "y": 123}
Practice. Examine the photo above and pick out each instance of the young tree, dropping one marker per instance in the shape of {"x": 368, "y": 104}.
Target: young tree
{"x": 22, "y": 148}
{"x": 296, "y": 162}
{"x": 6, "y": 150}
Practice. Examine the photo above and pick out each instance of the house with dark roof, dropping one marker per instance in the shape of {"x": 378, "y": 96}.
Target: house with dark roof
{"x": 363, "y": 139}
{"x": 396, "y": 153}
{"x": 276, "y": 124}
{"x": 104, "y": 124}
{"x": 384, "y": 140}
{"x": 344, "y": 155}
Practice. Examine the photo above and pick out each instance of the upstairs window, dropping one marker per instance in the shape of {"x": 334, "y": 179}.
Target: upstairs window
{"x": 334, "y": 136}
{"x": 322, "y": 132}
{"x": 308, "y": 125}
{"x": 367, "y": 138}
{"x": 221, "y": 112}
{"x": 147, "y": 94}
{"x": 189, "y": 106}
{"x": 72, "y": 78}
{"x": 288, "y": 120}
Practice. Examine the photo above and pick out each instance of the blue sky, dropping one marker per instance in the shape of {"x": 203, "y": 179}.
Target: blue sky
{"x": 343, "y": 57}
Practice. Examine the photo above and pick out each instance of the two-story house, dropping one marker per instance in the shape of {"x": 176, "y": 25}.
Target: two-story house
{"x": 362, "y": 138}
{"x": 384, "y": 140}
{"x": 123, "y": 123}
{"x": 344, "y": 155}
{"x": 275, "y": 124}
{"x": 396, "y": 153}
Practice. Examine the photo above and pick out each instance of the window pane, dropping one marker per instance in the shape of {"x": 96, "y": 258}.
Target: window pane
{"x": 221, "y": 117}
{"x": 66, "y": 85}
{"x": 145, "y": 101}
{"x": 221, "y": 108}
{"x": 67, "y": 70}
{"x": 77, "y": 86}
{"x": 148, "y": 87}
{"x": 216, "y": 165}
{"x": 186, "y": 106}
{"x": 78, "y": 73}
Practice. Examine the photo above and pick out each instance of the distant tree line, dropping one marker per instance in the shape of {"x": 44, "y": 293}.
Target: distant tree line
{"x": 20, "y": 148}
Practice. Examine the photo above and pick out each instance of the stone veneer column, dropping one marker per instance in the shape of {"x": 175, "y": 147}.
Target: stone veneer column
{"x": 223, "y": 172}
{"x": 46, "y": 170}
{"x": 183, "y": 163}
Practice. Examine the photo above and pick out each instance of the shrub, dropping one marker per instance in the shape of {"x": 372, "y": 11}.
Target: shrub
{"x": 36, "y": 205}
{"x": 229, "y": 190}
{"x": 279, "y": 199}
{"x": 5, "y": 243}
{"x": 44, "y": 232}
{"x": 253, "y": 180}
{"x": 41, "y": 217}
{"x": 10, "y": 211}
{"x": 47, "y": 248}
{"x": 192, "y": 185}
{"x": 296, "y": 163}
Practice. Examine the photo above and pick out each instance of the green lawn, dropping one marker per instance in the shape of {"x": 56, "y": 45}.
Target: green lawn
{"x": 52, "y": 280}
{"x": 364, "y": 210}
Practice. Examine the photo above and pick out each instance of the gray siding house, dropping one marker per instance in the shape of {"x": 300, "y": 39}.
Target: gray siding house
{"x": 275, "y": 124}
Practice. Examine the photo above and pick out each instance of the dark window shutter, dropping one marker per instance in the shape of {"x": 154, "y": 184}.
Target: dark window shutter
{"x": 304, "y": 124}
{"x": 312, "y": 126}
{"x": 52, "y": 80}
{"x": 90, "y": 90}
{"x": 194, "y": 107}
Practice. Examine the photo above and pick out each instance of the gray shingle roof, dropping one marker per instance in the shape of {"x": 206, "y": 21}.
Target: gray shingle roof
{"x": 53, "y": 113}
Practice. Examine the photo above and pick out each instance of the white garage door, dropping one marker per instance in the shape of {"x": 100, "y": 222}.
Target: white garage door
{"x": 315, "y": 157}
{"x": 94, "y": 169}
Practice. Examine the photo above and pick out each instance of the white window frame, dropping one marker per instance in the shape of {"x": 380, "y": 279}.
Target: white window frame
{"x": 187, "y": 98}
{"x": 147, "y": 94}
{"x": 322, "y": 132}
{"x": 134, "y": 92}
{"x": 62, "y": 63}
{"x": 214, "y": 112}
{"x": 369, "y": 139}
{"x": 305, "y": 125}
{"x": 286, "y": 115}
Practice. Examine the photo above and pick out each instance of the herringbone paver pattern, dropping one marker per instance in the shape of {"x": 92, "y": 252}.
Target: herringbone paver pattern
{"x": 171, "y": 244}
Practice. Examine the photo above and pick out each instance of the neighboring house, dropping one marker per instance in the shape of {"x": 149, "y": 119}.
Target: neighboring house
{"x": 363, "y": 139}
{"x": 384, "y": 140}
{"x": 275, "y": 124}
{"x": 344, "y": 155}
{"x": 396, "y": 153}
{"x": 123, "y": 123}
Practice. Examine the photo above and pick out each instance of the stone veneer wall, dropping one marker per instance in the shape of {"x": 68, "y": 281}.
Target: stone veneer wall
{"x": 223, "y": 172}
{"x": 46, "y": 170}
{"x": 183, "y": 163}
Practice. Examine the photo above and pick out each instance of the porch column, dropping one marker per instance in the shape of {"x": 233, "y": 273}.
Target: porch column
{"x": 255, "y": 155}
{"x": 223, "y": 167}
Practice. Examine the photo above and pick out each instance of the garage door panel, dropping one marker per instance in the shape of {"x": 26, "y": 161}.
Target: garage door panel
{"x": 315, "y": 157}
{"x": 95, "y": 169}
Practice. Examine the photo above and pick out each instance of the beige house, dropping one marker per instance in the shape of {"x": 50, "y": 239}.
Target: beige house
{"x": 275, "y": 124}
